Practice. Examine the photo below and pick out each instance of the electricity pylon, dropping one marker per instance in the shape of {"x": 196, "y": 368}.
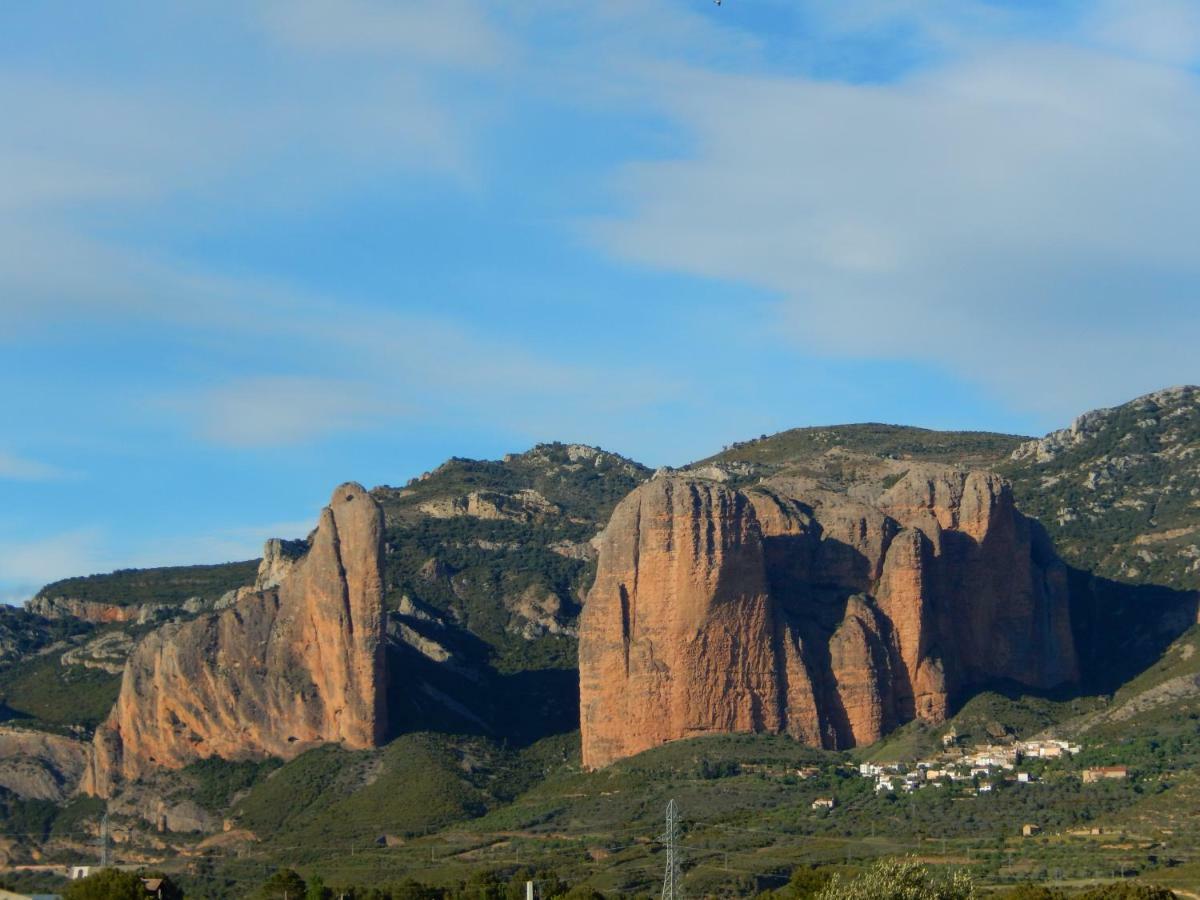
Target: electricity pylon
{"x": 672, "y": 876}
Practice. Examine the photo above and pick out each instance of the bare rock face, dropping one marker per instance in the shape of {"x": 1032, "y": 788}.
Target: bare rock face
{"x": 796, "y": 609}
{"x": 677, "y": 637}
{"x": 39, "y": 766}
{"x": 274, "y": 674}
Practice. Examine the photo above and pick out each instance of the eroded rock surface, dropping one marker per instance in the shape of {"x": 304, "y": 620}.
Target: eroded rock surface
{"x": 793, "y": 608}
{"x": 274, "y": 674}
{"x": 36, "y": 765}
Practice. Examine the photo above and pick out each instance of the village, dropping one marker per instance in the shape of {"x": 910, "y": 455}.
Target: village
{"x": 976, "y": 770}
{"x": 983, "y": 766}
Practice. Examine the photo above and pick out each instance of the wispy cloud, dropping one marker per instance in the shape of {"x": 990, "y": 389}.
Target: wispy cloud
{"x": 1021, "y": 214}
{"x": 451, "y": 32}
{"x": 17, "y": 468}
{"x": 266, "y": 411}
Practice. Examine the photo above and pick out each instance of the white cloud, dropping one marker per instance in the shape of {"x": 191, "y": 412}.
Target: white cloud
{"x": 1163, "y": 30}
{"x": 1022, "y": 215}
{"x": 263, "y": 411}
{"x": 450, "y": 32}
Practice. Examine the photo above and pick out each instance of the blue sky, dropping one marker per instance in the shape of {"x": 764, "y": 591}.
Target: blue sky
{"x": 249, "y": 250}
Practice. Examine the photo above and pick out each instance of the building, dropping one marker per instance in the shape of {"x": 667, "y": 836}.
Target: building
{"x": 1103, "y": 773}
{"x": 1029, "y": 829}
{"x": 823, "y": 803}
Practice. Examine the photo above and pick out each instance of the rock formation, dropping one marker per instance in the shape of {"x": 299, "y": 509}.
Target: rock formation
{"x": 276, "y": 673}
{"x": 791, "y": 608}
{"x": 36, "y": 765}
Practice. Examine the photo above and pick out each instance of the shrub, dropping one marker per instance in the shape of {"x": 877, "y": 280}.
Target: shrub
{"x": 900, "y": 879}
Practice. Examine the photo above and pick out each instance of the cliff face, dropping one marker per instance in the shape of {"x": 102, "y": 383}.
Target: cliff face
{"x": 792, "y": 608}
{"x": 274, "y": 674}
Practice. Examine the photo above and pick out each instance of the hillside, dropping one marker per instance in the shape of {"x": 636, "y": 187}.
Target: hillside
{"x": 1119, "y": 490}
{"x": 168, "y": 586}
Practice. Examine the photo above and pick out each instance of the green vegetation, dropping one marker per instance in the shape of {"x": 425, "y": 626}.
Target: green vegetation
{"x": 23, "y": 633}
{"x": 115, "y": 884}
{"x": 805, "y": 445}
{"x": 170, "y": 585}
{"x": 1121, "y": 504}
{"x": 46, "y": 693}
{"x": 587, "y": 487}
{"x": 896, "y": 879}
{"x": 217, "y": 781}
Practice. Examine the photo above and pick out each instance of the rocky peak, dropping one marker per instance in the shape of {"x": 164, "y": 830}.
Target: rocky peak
{"x": 793, "y": 608}
{"x": 1149, "y": 410}
{"x": 276, "y": 673}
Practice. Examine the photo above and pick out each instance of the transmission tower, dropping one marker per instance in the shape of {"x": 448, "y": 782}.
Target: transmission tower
{"x": 104, "y": 841}
{"x": 672, "y": 876}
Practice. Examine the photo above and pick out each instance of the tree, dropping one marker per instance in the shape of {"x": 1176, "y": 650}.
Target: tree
{"x": 317, "y": 889}
{"x": 806, "y": 883}
{"x": 1033, "y": 892}
{"x": 900, "y": 879}
{"x": 285, "y": 884}
{"x": 107, "y": 884}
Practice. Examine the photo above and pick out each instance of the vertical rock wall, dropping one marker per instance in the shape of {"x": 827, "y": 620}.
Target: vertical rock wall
{"x": 798, "y": 610}
{"x": 278, "y": 672}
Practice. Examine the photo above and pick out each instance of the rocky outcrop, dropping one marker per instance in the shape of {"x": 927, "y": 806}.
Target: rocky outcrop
{"x": 792, "y": 608}
{"x": 94, "y": 611}
{"x": 35, "y": 765}
{"x": 278, "y": 559}
{"x": 107, "y": 653}
{"x": 519, "y": 506}
{"x": 274, "y": 674}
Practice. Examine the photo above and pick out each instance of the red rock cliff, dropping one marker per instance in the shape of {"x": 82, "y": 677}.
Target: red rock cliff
{"x": 275, "y": 674}
{"x": 794, "y": 609}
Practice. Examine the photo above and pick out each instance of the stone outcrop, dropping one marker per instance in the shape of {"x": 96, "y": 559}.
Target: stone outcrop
{"x": 94, "y": 611}
{"x": 36, "y": 765}
{"x": 519, "y": 506}
{"x": 274, "y": 674}
{"x": 791, "y": 608}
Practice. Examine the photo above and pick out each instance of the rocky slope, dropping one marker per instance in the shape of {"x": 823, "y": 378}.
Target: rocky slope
{"x": 1119, "y": 490}
{"x": 794, "y": 608}
{"x": 278, "y": 672}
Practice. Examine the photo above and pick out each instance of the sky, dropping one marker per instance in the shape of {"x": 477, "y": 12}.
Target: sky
{"x": 251, "y": 249}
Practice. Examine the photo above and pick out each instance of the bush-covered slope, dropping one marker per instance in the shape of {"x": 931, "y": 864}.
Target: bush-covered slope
{"x": 1119, "y": 491}
{"x": 170, "y": 585}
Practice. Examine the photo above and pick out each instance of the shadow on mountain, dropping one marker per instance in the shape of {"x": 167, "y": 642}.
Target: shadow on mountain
{"x": 464, "y": 694}
{"x": 1122, "y": 629}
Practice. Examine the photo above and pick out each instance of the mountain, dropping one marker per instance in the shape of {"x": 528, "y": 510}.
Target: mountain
{"x": 831, "y": 587}
{"x": 832, "y": 616}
